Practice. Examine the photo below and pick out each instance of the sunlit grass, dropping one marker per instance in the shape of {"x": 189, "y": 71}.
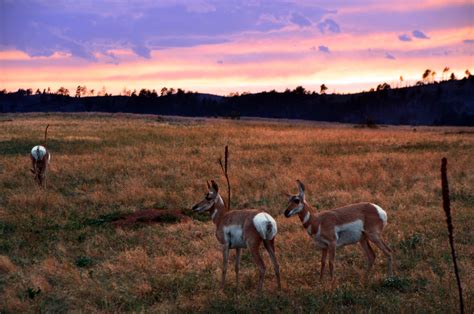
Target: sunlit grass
{"x": 59, "y": 252}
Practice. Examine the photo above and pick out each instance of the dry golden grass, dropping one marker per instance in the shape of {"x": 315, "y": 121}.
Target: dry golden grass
{"x": 59, "y": 253}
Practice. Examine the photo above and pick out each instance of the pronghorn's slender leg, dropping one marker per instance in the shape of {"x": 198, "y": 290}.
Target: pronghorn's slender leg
{"x": 237, "y": 264}
{"x": 40, "y": 180}
{"x": 33, "y": 165}
{"x": 324, "y": 253}
{"x": 332, "y": 255}
{"x": 225, "y": 254}
{"x": 369, "y": 252}
{"x": 270, "y": 246}
{"x": 375, "y": 238}
{"x": 257, "y": 258}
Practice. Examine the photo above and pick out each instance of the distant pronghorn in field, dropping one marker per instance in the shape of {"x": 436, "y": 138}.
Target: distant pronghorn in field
{"x": 40, "y": 158}
{"x": 362, "y": 222}
{"x": 237, "y": 229}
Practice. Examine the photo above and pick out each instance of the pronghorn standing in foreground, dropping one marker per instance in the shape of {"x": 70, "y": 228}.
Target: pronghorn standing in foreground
{"x": 40, "y": 158}
{"x": 237, "y": 229}
{"x": 362, "y": 222}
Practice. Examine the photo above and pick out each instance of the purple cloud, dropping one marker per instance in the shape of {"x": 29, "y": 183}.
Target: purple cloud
{"x": 419, "y": 34}
{"x": 329, "y": 25}
{"x": 300, "y": 20}
{"x": 41, "y": 27}
{"x": 404, "y": 37}
{"x": 389, "y": 56}
{"x": 142, "y": 51}
{"x": 468, "y": 41}
{"x": 324, "y": 49}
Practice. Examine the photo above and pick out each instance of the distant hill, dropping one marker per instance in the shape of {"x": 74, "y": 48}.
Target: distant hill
{"x": 444, "y": 103}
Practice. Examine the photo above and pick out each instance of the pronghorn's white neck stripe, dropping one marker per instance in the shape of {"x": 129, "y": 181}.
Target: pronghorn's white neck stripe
{"x": 306, "y": 217}
{"x": 220, "y": 201}
{"x": 218, "y": 204}
{"x": 214, "y": 213}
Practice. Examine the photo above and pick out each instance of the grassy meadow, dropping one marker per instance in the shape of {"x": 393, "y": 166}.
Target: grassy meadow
{"x": 59, "y": 252}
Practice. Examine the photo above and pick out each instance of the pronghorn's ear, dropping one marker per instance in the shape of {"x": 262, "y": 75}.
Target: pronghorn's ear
{"x": 300, "y": 187}
{"x": 215, "y": 186}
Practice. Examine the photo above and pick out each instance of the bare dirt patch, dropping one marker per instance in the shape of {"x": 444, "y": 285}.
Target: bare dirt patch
{"x": 151, "y": 216}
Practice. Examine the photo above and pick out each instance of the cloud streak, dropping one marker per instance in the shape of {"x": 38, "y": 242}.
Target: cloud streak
{"x": 404, "y": 37}
{"x": 329, "y": 26}
{"x": 419, "y": 34}
{"x": 324, "y": 49}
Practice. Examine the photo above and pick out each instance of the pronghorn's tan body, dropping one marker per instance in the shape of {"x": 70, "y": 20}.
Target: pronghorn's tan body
{"x": 237, "y": 229}
{"x": 351, "y": 224}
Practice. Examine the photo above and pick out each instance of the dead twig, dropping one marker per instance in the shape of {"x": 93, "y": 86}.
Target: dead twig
{"x": 224, "y": 167}
{"x": 447, "y": 211}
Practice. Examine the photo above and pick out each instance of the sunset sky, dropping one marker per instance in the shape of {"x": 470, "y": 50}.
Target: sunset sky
{"x": 231, "y": 46}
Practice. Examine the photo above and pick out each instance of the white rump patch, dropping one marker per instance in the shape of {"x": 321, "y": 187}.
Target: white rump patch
{"x": 349, "y": 233}
{"x": 233, "y": 236}
{"x": 38, "y": 152}
{"x": 382, "y": 213}
{"x": 265, "y": 225}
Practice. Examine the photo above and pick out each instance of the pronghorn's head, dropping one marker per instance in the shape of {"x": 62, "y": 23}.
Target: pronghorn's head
{"x": 295, "y": 202}
{"x": 210, "y": 199}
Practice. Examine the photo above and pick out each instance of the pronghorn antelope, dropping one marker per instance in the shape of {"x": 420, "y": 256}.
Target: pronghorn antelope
{"x": 237, "y": 229}
{"x": 362, "y": 222}
{"x": 40, "y": 158}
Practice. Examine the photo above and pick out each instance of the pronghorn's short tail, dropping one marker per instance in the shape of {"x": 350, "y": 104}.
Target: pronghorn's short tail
{"x": 265, "y": 225}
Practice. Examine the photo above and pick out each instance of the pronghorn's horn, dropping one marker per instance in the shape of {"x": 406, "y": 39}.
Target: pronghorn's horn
{"x": 208, "y": 185}
{"x": 300, "y": 186}
{"x": 215, "y": 186}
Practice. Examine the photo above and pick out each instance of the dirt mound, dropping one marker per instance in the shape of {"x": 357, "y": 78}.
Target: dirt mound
{"x": 151, "y": 216}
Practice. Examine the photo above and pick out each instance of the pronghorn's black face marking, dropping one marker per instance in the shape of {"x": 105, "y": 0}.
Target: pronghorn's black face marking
{"x": 209, "y": 199}
{"x": 295, "y": 205}
{"x": 295, "y": 202}
{"x": 207, "y": 203}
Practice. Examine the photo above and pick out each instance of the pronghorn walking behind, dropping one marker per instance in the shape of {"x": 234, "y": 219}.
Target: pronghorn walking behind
{"x": 40, "y": 158}
{"x": 362, "y": 222}
{"x": 237, "y": 229}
